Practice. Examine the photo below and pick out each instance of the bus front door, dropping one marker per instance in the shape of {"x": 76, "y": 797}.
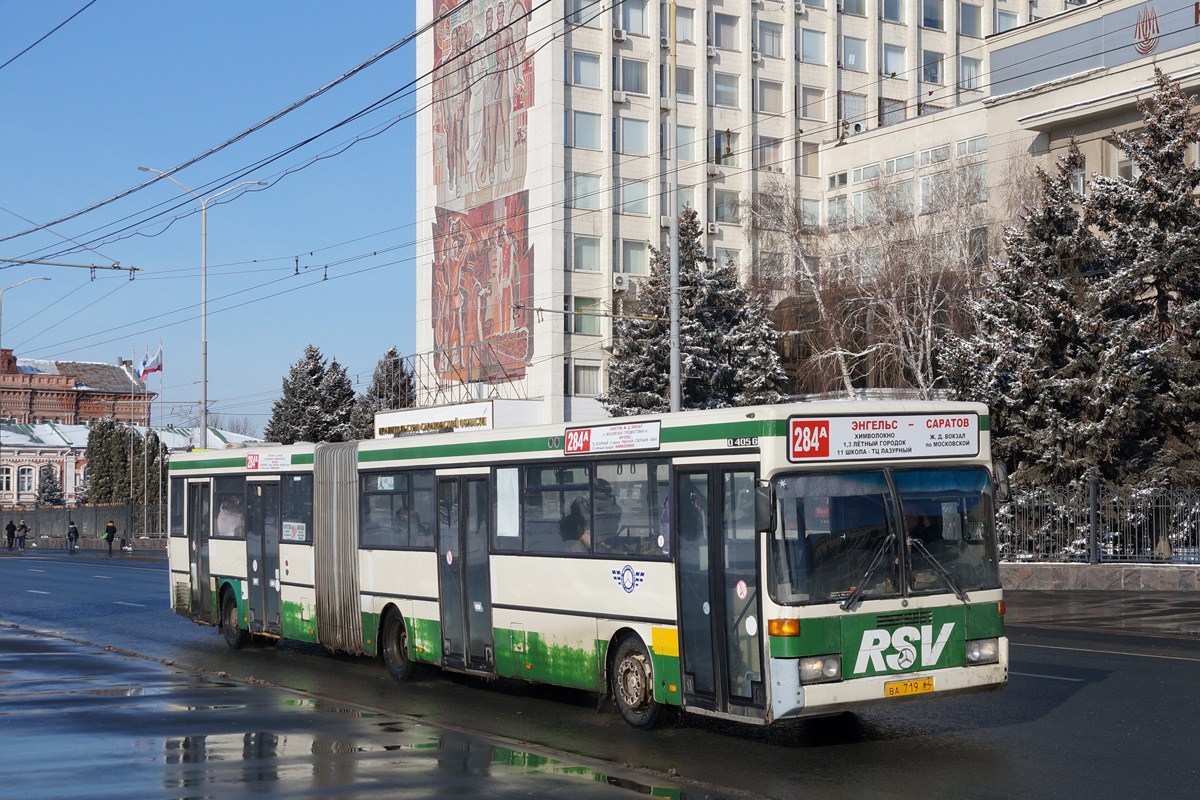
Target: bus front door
{"x": 199, "y": 518}
{"x": 719, "y": 609}
{"x": 262, "y": 556}
{"x": 463, "y": 533}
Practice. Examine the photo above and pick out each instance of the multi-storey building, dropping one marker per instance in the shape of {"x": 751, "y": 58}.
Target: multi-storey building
{"x": 543, "y": 140}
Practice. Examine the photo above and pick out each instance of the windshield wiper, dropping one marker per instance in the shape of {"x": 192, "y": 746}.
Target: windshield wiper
{"x": 939, "y": 568}
{"x": 874, "y": 565}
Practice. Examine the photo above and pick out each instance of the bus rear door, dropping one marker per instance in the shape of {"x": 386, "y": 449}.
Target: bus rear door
{"x": 199, "y": 522}
{"x": 719, "y": 609}
{"x": 464, "y": 515}
{"x": 262, "y": 556}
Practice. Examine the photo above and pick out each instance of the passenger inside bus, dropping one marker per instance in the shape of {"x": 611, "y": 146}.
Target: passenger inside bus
{"x": 576, "y": 527}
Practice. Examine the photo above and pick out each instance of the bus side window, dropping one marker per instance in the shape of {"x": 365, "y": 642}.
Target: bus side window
{"x": 422, "y": 510}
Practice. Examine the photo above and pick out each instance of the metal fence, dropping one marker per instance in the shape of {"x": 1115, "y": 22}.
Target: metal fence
{"x": 1095, "y": 525}
{"x": 131, "y": 520}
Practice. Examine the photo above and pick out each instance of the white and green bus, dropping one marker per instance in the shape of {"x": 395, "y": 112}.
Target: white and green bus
{"x": 756, "y": 564}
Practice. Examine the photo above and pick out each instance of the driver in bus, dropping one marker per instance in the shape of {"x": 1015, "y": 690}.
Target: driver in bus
{"x": 921, "y": 527}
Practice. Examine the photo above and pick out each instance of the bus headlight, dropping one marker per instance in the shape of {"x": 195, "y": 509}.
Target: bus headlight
{"x": 820, "y": 669}
{"x": 983, "y": 651}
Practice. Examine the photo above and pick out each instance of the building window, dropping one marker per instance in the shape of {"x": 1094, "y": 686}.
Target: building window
{"x": 868, "y": 173}
{"x": 935, "y": 191}
{"x": 685, "y": 84}
{"x": 970, "y": 20}
{"x": 725, "y": 32}
{"x": 725, "y": 257}
{"x": 815, "y": 3}
{"x": 770, "y": 154}
{"x": 1127, "y": 170}
{"x": 725, "y": 205}
{"x": 725, "y": 90}
{"x": 633, "y": 257}
{"x": 900, "y": 197}
{"x": 585, "y": 130}
{"x": 685, "y": 198}
{"x": 585, "y": 70}
{"x": 633, "y": 16}
{"x": 935, "y": 155}
{"x": 585, "y": 191}
{"x": 891, "y": 111}
{"x": 586, "y": 316}
{"x": 812, "y": 46}
{"x": 812, "y": 102}
{"x": 6, "y": 479}
{"x": 894, "y": 61}
{"x": 770, "y": 97}
{"x": 25, "y": 479}
{"x": 633, "y": 198}
{"x": 585, "y": 12}
{"x": 725, "y": 148}
{"x": 635, "y": 134}
{"x": 631, "y": 76}
{"x": 977, "y": 247}
{"x": 837, "y": 180}
{"x": 770, "y": 39}
{"x": 835, "y": 213}
{"x": 810, "y": 211}
{"x": 854, "y": 54}
{"x": 685, "y": 142}
{"x": 972, "y": 183}
{"x": 854, "y": 107}
{"x": 971, "y": 73}
{"x": 931, "y": 14}
{"x": 586, "y": 257}
{"x": 899, "y": 164}
{"x": 685, "y": 23}
{"x": 810, "y": 162}
{"x": 587, "y": 380}
{"x": 1005, "y": 20}
{"x": 866, "y": 207}
{"x": 893, "y": 10}
{"x": 971, "y": 147}
{"x": 931, "y": 66}
{"x": 856, "y": 7}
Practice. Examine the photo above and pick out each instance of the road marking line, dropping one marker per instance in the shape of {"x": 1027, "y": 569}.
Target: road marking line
{"x": 36, "y": 591}
{"x": 123, "y": 603}
{"x": 103, "y": 577}
{"x": 1048, "y": 677}
{"x": 1107, "y": 652}
{"x": 36, "y": 570}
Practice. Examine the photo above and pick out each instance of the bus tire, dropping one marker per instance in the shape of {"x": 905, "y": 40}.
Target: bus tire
{"x": 633, "y": 684}
{"x": 231, "y": 622}
{"x": 393, "y": 646}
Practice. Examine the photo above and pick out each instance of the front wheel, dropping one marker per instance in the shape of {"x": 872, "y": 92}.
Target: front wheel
{"x": 633, "y": 685}
{"x": 393, "y": 644}
{"x": 231, "y": 622}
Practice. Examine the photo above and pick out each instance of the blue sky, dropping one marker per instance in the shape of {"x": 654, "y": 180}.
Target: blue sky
{"x": 132, "y": 83}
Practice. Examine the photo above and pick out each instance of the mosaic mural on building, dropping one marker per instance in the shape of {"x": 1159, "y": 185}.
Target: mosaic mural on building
{"x": 483, "y": 262}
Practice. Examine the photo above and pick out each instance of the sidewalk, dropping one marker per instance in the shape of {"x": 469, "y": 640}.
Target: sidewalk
{"x": 1153, "y": 613}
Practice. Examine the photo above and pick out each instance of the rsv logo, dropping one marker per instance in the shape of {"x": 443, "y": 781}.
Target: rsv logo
{"x": 892, "y": 651}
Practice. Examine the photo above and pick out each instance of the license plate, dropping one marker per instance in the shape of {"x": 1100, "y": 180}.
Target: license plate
{"x": 902, "y": 688}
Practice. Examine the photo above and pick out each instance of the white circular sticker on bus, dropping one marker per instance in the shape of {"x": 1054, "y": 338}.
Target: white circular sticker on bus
{"x": 661, "y": 540}
{"x": 449, "y": 558}
{"x": 254, "y": 565}
{"x": 751, "y": 626}
{"x": 706, "y": 608}
{"x": 741, "y": 591}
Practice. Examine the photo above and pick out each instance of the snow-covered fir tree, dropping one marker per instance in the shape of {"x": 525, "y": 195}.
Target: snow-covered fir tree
{"x": 108, "y": 462}
{"x": 727, "y": 340}
{"x": 1148, "y": 301}
{"x": 316, "y": 402}
{"x": 49, "y": 489}
{"x": 392, "y": 386}
{"x": 1030, "y": 356}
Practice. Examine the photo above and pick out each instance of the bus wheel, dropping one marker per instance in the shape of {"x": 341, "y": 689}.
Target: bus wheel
{"x": 633, "y": 684}
{"x": 231, "y": 622}
{"x": 393, "y": 644}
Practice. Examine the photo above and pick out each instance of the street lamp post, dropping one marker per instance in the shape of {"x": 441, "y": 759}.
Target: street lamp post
{"x": 12, "y": 479}
{"x": 203, "y": 290}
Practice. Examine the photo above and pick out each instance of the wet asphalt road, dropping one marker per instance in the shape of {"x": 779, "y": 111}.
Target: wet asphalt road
{"x": 1102, "y": 703}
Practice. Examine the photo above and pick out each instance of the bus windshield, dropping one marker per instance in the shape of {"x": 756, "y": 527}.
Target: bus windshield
{"x": 847, "y": 535}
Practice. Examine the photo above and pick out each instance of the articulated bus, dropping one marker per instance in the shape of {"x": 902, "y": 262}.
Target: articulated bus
{"x": 756, "y": 564}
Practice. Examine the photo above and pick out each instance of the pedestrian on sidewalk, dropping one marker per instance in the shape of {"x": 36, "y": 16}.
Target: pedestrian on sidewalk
{"x": 72, "y": 536}
{"x": 22, "y": 532}
{"x": 110, "y": 533}
{"x": 11, "y": 530}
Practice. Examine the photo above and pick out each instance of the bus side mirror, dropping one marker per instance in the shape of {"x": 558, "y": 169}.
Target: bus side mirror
{"x": 764, "y": 508}
{"x": 1003, "y": 490}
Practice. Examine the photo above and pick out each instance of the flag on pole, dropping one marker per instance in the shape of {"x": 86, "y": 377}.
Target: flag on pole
{"x": 150, "y": 364}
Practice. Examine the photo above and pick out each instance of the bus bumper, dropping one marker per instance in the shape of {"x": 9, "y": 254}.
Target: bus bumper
{"x": 792, "y": 700}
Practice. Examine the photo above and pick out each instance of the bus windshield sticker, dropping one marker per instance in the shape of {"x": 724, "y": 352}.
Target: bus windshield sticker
{"x": 293, "y": 532}
{"x": 612, "y": 438}
{"x": 264, "y": 462}
{"x": 876, "y": 437}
